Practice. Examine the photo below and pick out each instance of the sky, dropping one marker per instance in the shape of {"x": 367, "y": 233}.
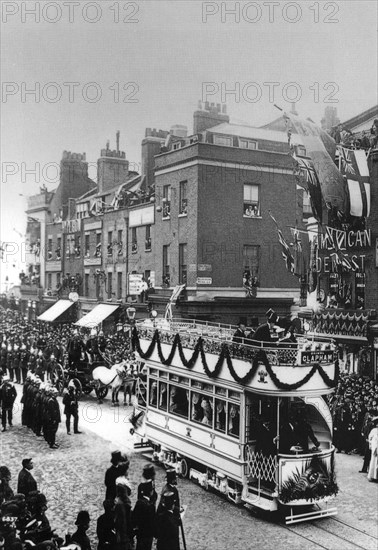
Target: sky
{"x": 99, "y": 67}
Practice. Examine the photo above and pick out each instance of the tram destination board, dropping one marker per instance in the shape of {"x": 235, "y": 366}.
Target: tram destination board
{"x": 316, "y": 356}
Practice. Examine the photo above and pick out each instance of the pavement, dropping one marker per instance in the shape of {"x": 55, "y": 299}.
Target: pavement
{"x": 72, "y": 477}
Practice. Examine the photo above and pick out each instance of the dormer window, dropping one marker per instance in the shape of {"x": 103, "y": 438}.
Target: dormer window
{"x": 225, "y": 141}
{"x": 177, "y": 145}
{"x": 247, "y": 144}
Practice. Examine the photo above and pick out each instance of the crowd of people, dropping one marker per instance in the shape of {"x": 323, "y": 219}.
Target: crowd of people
{"x": 354, "y": 407}
{"x": 24, "y": 524}
{"x": 39, "y": 347}
{"x": 365, "y": 140}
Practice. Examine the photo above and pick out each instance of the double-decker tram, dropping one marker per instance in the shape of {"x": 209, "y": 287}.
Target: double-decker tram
{"x": 249, "y": 421}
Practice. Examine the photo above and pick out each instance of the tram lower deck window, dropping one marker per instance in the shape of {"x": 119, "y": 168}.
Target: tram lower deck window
{"x": 220, "y": 415}
{"x": 178, "y": 401}
{"x": 202, "y": 409}
{"x": 158, "y": 395}
{"x": 233, "y": 420}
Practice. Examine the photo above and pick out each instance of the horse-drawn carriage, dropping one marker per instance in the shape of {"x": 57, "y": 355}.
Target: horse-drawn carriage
{"x": 80, "y": 374}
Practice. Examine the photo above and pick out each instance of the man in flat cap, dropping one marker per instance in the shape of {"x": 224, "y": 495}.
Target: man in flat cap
{"x": 26, "y": 482}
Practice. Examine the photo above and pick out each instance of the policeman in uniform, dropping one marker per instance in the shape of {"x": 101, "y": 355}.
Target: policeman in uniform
{"x": 71, "y": 408}
{"x": 53, "y": 418}
{"x": 8, "y": 395}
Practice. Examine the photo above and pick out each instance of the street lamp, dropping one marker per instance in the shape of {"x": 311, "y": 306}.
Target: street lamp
{"x": 130, "y": 312}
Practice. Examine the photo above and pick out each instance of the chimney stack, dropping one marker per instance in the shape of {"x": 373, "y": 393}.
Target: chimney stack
{"x": 117, "y": 138}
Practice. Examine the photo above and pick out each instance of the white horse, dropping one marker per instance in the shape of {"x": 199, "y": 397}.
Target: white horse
{"x": 112, "y": 377}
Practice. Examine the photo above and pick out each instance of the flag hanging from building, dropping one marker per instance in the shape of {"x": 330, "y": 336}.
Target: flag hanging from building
{"x": 286, "y": 252}
{"x": 301, "y": 252}
{"x": 312, "y": 272}
{"x": 307, "y": 177}
{"x": 320, "y": 147}
{"x": 353, "y": 165}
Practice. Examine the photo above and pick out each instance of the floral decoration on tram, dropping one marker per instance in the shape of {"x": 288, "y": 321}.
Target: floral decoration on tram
{"x": 316, "y": 481}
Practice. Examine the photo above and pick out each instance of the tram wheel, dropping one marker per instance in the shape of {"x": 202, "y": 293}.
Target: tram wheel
{"x": 184, "y": 467}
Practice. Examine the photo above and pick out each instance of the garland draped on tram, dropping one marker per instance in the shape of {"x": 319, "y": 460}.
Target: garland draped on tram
{"x": 224, "y": 355}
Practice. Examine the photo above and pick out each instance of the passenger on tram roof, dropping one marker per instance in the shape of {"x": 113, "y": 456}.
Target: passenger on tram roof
{"x": 239, "y": 334}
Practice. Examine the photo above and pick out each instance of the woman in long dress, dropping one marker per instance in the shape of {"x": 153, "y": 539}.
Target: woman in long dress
{"x": 373, "y": 444}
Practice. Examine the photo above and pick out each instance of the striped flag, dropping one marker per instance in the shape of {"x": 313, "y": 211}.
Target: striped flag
{"x": 353, "y": 165}
{"x": 286, "y": 253}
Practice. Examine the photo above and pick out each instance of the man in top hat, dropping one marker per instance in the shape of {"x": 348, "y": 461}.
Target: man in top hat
{"x": 8, "y": 395}
{"x": 75, "y": 349}
{"x": 143, "y": 515}
{"x": 263, "y": 332}
{"x": 80, "y": 536}
{"x": 239, "y": 334}
{"x": 171, "y": 487}
{"x": 111, "y": 475}
{"x": 26, "y": 482}
{"x": 167, "y": 524}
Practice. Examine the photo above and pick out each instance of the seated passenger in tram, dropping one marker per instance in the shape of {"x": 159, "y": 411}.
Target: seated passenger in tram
{"x": 207, "y": 413}
{"x": 233, "y": 420}
{"x": 179, "y": 401}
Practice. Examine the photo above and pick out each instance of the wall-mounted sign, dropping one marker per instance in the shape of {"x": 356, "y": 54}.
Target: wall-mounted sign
{"x": 204, "y": 267}
{"x": 135, "y": 283}
{"x": 71, "y": 226}
{"x": 142, "y": 216}
{"x": 334, "y": 238}
{"x": 204, "y": 281}
{"x": 360, "y": 290}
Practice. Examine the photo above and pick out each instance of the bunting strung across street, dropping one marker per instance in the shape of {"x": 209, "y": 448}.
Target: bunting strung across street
{"x": 353, "y": 165}
{"x": 286, "y": 252}
{"x": 320, "y": 147}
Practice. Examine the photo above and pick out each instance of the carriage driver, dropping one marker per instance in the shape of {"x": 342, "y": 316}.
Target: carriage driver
{"x": 75, "y": 349}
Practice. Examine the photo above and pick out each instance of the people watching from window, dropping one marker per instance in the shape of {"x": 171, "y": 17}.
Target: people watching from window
{"x": 233, "y": 420}
{"x": 251, "y": 211}
{"x": 207, "y": 418}
{"x": 220, "y": 415}
{"x": 178, "y": 403}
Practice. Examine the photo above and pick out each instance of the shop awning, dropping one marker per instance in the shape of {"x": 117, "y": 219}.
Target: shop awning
{"x": 55, "y": 311}
{"x": 96, "y": 316}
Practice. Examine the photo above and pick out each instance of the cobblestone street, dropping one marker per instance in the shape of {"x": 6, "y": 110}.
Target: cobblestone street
{"x": 72, "y": 479}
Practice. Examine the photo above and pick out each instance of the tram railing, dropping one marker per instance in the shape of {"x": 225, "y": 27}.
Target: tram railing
{"x": 215, "y": 336}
